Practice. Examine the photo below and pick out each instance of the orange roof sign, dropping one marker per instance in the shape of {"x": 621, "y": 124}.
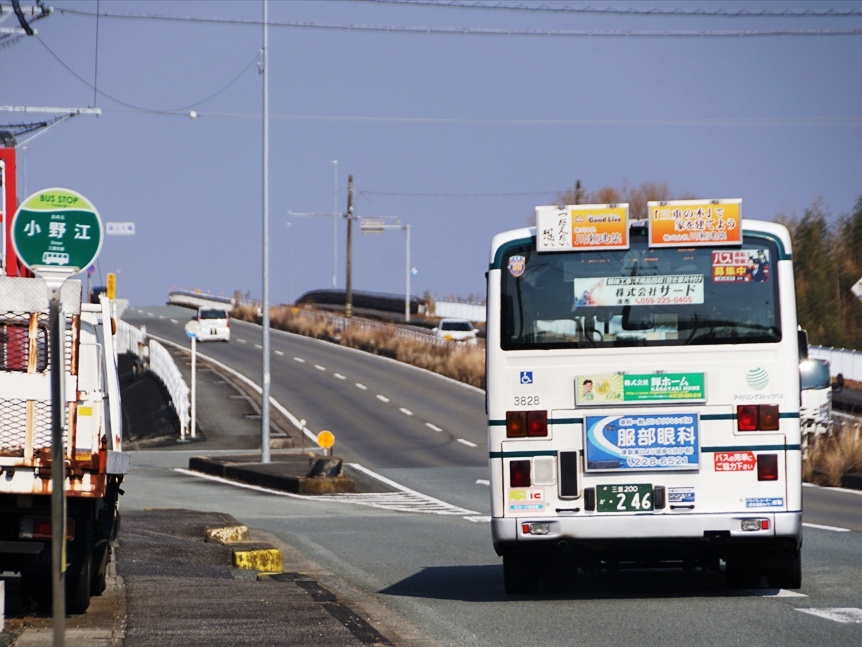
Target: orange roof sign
{"x": 691, "y": 223}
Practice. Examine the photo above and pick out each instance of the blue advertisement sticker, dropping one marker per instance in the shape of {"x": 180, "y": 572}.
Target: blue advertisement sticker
{"x": 680, "y": 495}
{"x": 642, "y": 442}
{"x": 765, "y": 502}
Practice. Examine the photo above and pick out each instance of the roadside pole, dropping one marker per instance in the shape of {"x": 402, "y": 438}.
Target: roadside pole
{"x": 407, "y": 274}
{"x": 348, "y": 292}
{"x": 56, "y": 233}
{"x": 264, "y": 399}
{"x": 192, "y": 329}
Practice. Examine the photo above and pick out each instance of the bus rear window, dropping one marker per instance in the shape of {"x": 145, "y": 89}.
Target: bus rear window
{"x": 640, "y": 296}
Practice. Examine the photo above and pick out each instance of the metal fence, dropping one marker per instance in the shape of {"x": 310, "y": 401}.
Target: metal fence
{"x": 841, "y": 360}
{"x": 158, "y": 360}
{"x": 340, "y": 324}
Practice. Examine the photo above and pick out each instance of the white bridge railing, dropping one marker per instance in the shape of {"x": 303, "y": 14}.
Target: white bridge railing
{"x": 133, "y": 341}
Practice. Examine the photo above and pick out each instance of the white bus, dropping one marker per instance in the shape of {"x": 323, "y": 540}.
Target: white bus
{"x": 643, "y": 398}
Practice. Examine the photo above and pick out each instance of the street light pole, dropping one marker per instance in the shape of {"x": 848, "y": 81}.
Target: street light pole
{"x": 264, "y": 400}
{"x": 407, "y": 274}
{"x": 335, "y": 224}
{"x": 348, "y": 292}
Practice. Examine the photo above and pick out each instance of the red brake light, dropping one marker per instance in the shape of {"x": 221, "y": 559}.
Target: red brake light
{"x": 516, "y": 424}
{"x": 767, "y": 467}
{"x": 537, "y": 423}
{"x": 519, "y": 474}
{"x": 767, "y": 417}
{"x": 746, "y": 417}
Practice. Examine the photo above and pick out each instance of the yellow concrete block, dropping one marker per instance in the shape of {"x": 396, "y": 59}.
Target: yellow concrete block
{"x": 261, "y": 559}
{"x": 227, "y": 535}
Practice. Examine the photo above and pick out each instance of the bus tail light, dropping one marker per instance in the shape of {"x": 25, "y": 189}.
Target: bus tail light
{"x": 516, "y": 424}
{"x": 757, "y": 417}
{"x": 767, "y": 417}
{"x": 767, "y": 467}
{"x": 537, "y": 423}
{"x": 755, "y": 524}
{"x": 746, "y": 417}
{"x": 519, "y": 474}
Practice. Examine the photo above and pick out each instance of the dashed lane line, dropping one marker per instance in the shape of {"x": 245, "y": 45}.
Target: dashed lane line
{"x": 174, "y": 321}
{"x": 483, "y": 482}
{"x": 382, "y": 398}
{"x": 361, "y": 386}
{"x": 258, "y": 346}
{"x": 241, "y": 341}
{"x": 279, "y": 353}
{"x": 339, "y": 376}
{"x": 432, "y": 427}
{"x": 406, "y": 412}
{"x": 467, "y": 442}
{"x": 822, "y": 527}
{"x": 319, "y": 367}
{"x": 844, "y": 615}
{"x": 299, "y": 359}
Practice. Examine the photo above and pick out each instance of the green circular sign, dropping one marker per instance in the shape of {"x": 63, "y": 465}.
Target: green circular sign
{"x": 57, "y": 228}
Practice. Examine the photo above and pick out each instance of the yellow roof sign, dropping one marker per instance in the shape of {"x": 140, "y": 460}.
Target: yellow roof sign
{"x": 691, "y": 223}
{"x": 582, "y": 227}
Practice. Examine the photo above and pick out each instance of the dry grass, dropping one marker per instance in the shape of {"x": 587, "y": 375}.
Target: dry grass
{"x": 834, "y": 456}
{"x": 457, "y": 361}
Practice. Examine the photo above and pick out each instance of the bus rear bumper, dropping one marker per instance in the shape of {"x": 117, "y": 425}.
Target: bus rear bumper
{"x": 596, "y": 531}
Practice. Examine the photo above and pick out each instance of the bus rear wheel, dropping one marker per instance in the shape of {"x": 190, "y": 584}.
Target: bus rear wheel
{"x": 517, "y": 578}
{"x": 788, "y": 576}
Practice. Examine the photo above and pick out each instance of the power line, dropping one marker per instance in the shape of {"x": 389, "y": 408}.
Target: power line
{"x": 141, "y": 108}
{"x": 480, "y": 31}
{"x": 627, "y": 11}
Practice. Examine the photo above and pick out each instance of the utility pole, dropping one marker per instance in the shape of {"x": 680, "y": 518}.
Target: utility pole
{"x": 348, "y": 293}
{"x": 407, "y": 274}
{"x": 264, "y": 399}
{"x": 335, "y": 224}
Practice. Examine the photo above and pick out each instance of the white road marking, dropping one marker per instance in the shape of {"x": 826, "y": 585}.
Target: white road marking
{"x": 837, "y": 489}
{"x": 278, "y": 352}
{"x": 361, "y": 386}
{"x": 434, "y": 427}
{"x": 151, "y": 314}
{"x": 406, "y": 412}
{"x": 382, "y": 398}
{"x": 340, "y": 376}
{"x": 258, "y": 346}
{"x": 844, "y": 615}
{"x": 821, "y": 527}
{"x": 241, "y": 341}
{"x": 299, "y": 359}
{"x": 467, "y": 442}
{"x": 784, "y": 593}
{"x": 479, "y": 519}
{"x": 319, "y": 367}
{"x": 174, "y": 321}
{"x": 483, "y": 482}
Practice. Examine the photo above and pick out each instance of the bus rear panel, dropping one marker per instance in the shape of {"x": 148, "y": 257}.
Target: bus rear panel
{"x": 643, "y": 408}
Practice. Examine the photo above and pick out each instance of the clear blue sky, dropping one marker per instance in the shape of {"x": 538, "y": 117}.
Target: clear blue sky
{"x": 773, "y": 120}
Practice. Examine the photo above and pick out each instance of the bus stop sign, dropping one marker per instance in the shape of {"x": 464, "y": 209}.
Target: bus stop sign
{"x": 57, "y": 228}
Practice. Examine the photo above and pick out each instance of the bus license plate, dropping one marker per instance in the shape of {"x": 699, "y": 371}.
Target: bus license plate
{"x": 624, "y": 498}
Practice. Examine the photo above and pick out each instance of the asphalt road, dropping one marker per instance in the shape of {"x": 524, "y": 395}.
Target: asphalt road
{"x": 438, "y": 572}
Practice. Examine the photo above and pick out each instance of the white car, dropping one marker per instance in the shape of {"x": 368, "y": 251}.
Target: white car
{"x": 215, "y": 324}
{"x": 459, "y": 330}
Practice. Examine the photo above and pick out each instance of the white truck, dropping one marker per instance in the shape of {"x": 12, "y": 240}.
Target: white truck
{"x": 94, "y": 460}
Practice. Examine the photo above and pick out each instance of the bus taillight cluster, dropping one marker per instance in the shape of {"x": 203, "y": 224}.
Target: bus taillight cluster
{"x": 757, "y": 417}
{"x": 526, "y": 424}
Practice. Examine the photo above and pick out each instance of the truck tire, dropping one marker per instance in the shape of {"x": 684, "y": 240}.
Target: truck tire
{"x": 517, "y": 579}
{"x": 99, "y": 582}
{"x": 78, "y": 586}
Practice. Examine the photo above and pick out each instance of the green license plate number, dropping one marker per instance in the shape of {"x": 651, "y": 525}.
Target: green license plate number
{"x": 624, "y": 498}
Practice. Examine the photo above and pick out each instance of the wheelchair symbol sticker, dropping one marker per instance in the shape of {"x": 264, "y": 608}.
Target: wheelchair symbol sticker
{"x": 526, "y": 377}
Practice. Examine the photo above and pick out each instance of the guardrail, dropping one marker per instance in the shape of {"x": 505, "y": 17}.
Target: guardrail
{"x": 191, "y": 299}
{"x": 341, "y": 324}
{"x": 158, "y": 360}
{"x": 841, "y": 360}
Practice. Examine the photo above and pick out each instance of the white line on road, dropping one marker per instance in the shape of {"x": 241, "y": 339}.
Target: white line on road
{"x": 433, "y": 427}
{"x": 361, "y": 386}
{"x": 241, "y": 341}
{"x": 161, "y": 316}
{"x": 467, "y": 442}
{"x": 340, "y": 376}
{"x": 836, "y": 489}
{"x": 821, "y": 527}
{"x": 479, "y": 519}
{"x": 406, "y": 412}
{"x": 278, "y": 352}
{"x": 299, "y": 359}
{"x": 483, "y": 482}
{"x": 174, "y": 321}
{"x": 382, "y": 398}
{"x": 258, "y": 346}
{"x": 844, "y": 615}
{"x": 319, "y": 367}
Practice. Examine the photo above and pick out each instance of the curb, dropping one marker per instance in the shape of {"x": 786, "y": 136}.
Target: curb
{"x": 250, "y": 555}
{"x": 284, "y": 482}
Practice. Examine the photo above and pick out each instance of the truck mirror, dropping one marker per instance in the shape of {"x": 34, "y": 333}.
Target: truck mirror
{"x": 838, "y": 384}
{"x": 802, "y": 337}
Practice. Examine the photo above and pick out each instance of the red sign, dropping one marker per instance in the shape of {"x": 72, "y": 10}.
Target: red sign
{"x": 735, "y": 461}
